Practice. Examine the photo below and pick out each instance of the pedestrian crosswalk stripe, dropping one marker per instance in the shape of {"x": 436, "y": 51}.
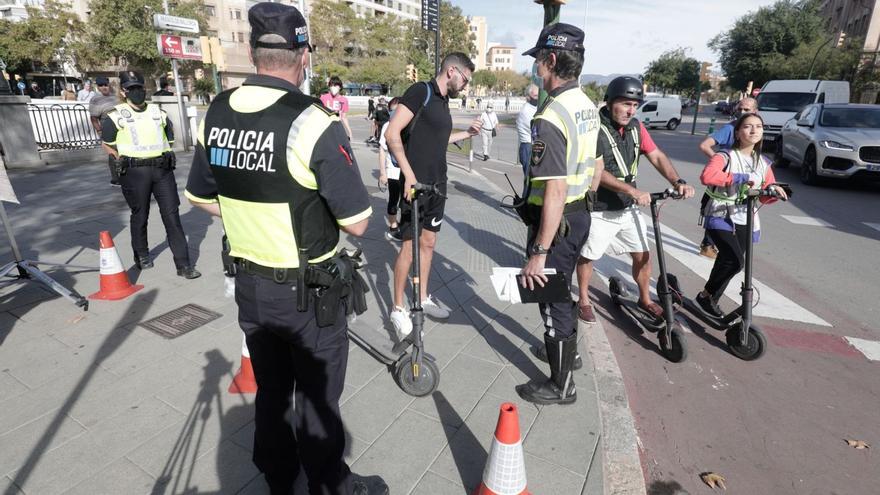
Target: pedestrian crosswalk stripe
{"x": 870, "y": 348}
{"x": 771, "y": 303}
{"x": 809, "y": 221}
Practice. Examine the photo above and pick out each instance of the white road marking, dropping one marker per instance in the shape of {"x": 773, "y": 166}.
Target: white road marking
{"x": 809, "y": 221}
{"x": 875, "y": 226}
{"x": 487, "y": 169}
{"x": 771, "y": 304}
{"x": 870, "y": 348}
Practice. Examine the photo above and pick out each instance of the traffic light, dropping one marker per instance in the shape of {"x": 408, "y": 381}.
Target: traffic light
{"x": 412, "y": 74}
{"x": 704, "y": 71}
{"x": 841, "y": 39}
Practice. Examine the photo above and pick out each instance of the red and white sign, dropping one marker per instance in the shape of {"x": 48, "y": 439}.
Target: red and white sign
{"x": 173, "y": 46}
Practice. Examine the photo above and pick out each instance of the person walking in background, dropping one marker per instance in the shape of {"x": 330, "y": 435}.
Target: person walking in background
{"x": 36, "y": 92}
{"x": 506, "y": 104}
{"x": 336, "y": 102}
{"x": 99, "y": 106}
{"x": 489, "y": 119}
{"x": 389, "y": 176}
{"x": 164, "y": 88}
{"x": 86, "y": 94}
{"x": 524, "y": 127}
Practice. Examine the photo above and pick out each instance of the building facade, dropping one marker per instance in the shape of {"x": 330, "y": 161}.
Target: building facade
{"x": 500, "y": 57}
{"x": 480, "y": 29}
{"x": 857, "y": 19}
{"x": 16, "y": 10}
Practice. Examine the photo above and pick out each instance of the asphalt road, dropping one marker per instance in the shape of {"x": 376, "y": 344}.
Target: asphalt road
{"x": 776, "y": 425}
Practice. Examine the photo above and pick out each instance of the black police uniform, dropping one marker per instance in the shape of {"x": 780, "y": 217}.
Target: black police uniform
{"x": 147, "y": 174}
{"x": 282, "y": 170}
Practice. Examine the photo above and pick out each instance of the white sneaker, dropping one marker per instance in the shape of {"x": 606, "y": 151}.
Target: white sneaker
{"x": 434, "y": 310}
{"x": 401, "y": 321}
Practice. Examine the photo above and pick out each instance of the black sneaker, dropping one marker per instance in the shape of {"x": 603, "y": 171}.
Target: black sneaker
{"x": 143, "y": 262}
{"x": 368, "y": 485}
{"x": 709, "y": 306}
{"x": 188, "y": 273}
{"x": 394, "y": 235}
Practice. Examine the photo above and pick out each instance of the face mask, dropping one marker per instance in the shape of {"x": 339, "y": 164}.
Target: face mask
{"x": 136, "y": 95}
{"x": 334, "y": 90}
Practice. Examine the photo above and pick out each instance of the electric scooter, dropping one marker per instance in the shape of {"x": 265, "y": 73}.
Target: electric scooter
{"x": 744, "y": 339}
{"x": 414, "y": 371}
{"x": 670, "y": 327}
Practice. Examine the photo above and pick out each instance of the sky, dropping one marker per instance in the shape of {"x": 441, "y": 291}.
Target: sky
{"x": 622, "y": 36}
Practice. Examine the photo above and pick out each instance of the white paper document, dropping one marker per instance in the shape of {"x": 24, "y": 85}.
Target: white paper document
{"x": 506, "y": 285}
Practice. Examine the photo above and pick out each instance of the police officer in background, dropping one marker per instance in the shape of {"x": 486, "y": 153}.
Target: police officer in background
{"x": 564, "y": 168}
{"x": 279, "y": 168}
{"x": 139, "y": 136}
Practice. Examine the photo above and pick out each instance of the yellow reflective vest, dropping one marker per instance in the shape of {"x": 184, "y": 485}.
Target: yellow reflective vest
{"x": 140, "y": 134}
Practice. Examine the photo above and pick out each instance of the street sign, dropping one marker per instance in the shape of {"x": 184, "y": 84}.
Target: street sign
{"x": 174, "y": 23}
{"x": 430, "y": 15}
{"x": 173, "y": 46}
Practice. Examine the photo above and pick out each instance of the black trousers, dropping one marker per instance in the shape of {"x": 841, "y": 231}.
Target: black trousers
{"x": 560, "y": 319}
{"x": 139, "y": 184}
{"x": 730, "y": 260}
{"x": 293, "y": 358}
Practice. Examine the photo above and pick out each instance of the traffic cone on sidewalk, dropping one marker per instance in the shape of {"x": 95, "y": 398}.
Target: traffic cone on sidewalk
{"x": 505, "y": 472}
{"x": 114, "y": 281}
{"x": 244, "y": 382}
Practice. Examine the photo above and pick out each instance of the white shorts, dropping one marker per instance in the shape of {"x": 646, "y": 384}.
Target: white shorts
{"x": 624, "y": 231}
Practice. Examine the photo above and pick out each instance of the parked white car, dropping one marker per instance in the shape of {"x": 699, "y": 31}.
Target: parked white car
{"x": 779, "y": 100}
{"x": 660, "y": 111}
{"x": 833, "y": 141}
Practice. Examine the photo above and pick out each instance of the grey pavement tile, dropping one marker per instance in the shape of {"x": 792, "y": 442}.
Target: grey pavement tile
{"x": 462, "y": 383}
{"x": 9, "y": 386}
{"x": 504, "y": 390}
{"x": 207, "y": 345}
{"x": 202, "y": 430}
{"x": 354, "y": 448}
{"x": 119, "y": 477}
{"x": 546, "y": 477}
{"x": 22, "y": 441}
{"x": 18, "y": 356}
{"x": 77, "y": 460}
{"x": 446, "y": 340}
{"x": 404, "y": 452}
{"x": 23, "y": 293}
{"x": 86, "y": 329}
{"x": 362, "y": 367}
{"x": 434, "y": 484}
{"x": 54, "y": 366}
{"x": 595, "y": 483}
{"x": 465, "y": 457}
{"x": 8, "y": 487}
{"x": 374, "y": 407}
{"x": 579, "y": 427}
{"x": 226, "y": 469}
{"x": 50, "y": 315}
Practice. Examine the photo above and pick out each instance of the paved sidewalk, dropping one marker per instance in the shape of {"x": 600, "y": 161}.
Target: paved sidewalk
{"x": 92, "y": 403}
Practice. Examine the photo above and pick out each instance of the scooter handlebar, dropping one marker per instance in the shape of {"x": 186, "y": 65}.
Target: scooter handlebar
{"x": 669, "y": 193}
{"x": 770, "y": 191}
{"x": 419, "y": 188}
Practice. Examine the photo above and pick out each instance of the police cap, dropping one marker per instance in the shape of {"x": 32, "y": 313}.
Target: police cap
{"x": 559, "y": 36}
{"x": 282, "y": 20}
{"x": 102, "y": 81}
{"x": 129, "y": 78}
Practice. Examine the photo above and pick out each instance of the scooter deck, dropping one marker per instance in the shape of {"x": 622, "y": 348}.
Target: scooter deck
{"x": 629, "y": 304}
{"x": 373, "y": 342}
{"x": 706, "y": 318}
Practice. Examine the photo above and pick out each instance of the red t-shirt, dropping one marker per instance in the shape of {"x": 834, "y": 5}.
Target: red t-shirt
{"x": 336, "y": 103}
{"x": 646, "y": 144}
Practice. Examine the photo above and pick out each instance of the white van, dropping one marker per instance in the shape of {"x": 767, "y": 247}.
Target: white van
{"x": 660, "y": 111}
{"x": 779, "y": 100}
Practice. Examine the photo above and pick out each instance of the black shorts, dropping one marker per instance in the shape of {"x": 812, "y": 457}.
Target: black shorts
{"x": 431, "y": 209}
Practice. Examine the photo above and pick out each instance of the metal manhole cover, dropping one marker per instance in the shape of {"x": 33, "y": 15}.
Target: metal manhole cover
{"x": 179, "y": 321}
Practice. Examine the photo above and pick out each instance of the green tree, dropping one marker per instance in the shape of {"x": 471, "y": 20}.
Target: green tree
{"x": 338, "y": 38}
{"x": 510, "y": 81}
{"x": 122, "y": 31}
{"x": 673, "y": 71}
{"x": 454, "y": 37}
{"x": 50, "y": 34}
{"x": 595, "y": 91}
{"x": 485, "y": 79}
{"x": 759, "y": 44}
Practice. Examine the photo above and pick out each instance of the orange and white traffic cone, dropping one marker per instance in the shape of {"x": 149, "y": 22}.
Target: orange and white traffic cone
{"x": 114, "y": 281}
{"x": 505, "y": 472}
{"x": 244, "y": 382}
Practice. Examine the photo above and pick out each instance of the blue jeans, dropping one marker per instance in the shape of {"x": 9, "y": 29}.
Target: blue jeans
{"x": 525, "y": 154}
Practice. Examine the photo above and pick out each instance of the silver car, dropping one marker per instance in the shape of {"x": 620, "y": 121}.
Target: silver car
{"x": 839, "y": 141}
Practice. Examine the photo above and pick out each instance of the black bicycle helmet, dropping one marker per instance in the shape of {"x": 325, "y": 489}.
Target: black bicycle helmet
{"x": 624, "y": 87}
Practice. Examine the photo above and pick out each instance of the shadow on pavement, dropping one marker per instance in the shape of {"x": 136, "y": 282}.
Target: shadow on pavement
{"x": 467, "y": 452}
{"x": 666, "y": 488}
{"x": 138, "y": 307}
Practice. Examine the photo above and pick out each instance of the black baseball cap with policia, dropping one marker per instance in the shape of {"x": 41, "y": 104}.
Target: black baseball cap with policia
{"x": 559, "y": 36}
{"x": 282, "y": 20}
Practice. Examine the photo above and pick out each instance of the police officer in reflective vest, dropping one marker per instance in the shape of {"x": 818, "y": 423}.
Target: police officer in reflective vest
{"x": 277, "y": 167}
{"x": 139, "y": 136}
{"x": 564, "y": 168}
{"x": 617, "y": 220}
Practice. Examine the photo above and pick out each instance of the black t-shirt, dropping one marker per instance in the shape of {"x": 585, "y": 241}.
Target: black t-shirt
{"x": 428, "y": 132}
{"x": 382, "y": 115}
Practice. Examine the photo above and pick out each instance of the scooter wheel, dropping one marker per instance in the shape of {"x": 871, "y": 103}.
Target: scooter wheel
{"x": 427, "y": 381}
{"x": 675, "y": 351}
{"x": 757, "y": 344}
{"x": 616, "y": 288}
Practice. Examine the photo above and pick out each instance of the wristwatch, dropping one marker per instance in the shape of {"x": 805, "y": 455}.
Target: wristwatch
{"x": 681, "y": 181}
{"x": 538, "y": 249}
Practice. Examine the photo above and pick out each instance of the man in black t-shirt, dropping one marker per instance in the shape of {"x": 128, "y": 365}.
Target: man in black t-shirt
{"x": 423, "y": 117}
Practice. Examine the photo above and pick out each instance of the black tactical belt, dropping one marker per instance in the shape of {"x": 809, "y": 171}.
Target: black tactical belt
{"x": 574, "y": 206}
{"x": 316, "y": 276}
{"x": 145, "y": 162}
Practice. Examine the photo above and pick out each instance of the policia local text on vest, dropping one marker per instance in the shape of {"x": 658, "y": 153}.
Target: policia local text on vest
{"x": 139, "y": 135}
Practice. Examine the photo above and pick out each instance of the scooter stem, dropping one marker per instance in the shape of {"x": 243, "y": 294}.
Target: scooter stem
{"x": 663, "y": 289}
{"x": 747, "y": 290}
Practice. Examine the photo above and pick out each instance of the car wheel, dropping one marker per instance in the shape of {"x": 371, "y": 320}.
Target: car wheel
{"x": 808, "y": 168}
{"x": 672, "y": 124}
{"x": 779, "y": 160}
